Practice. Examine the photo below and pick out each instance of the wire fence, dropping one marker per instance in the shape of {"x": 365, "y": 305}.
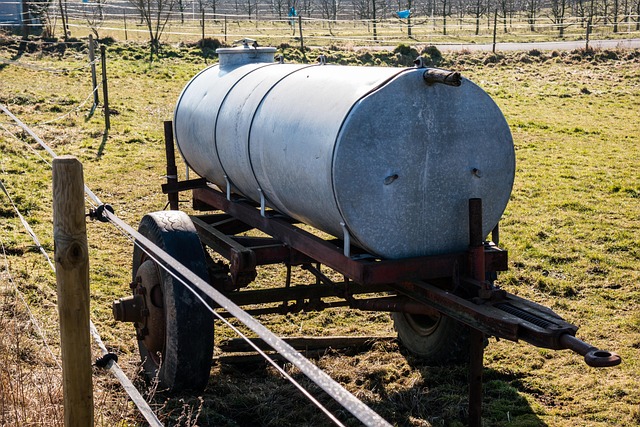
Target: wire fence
{"x": 267, "y": 21}
{"x": 214, "y": 299}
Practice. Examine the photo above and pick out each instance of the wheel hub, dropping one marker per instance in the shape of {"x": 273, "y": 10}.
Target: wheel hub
{"x": 145, "y": 309}
{"x": 423, "y": 325}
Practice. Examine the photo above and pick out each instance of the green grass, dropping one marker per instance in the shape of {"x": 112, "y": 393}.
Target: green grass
{"x": 571, "y": 228}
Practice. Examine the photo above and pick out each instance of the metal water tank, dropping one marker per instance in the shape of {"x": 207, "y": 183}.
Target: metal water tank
{"x": 387, "y": 154}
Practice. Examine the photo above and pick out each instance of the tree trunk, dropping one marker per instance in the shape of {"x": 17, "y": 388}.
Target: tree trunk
{"x": 444, "y": 17}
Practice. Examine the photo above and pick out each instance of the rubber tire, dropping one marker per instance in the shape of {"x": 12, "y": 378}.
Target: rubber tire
{"x": 434, "y": 340}
{"x": 188, "y": 343}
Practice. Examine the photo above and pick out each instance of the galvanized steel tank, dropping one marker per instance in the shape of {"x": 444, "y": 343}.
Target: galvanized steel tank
{"x": 375, "y": 150}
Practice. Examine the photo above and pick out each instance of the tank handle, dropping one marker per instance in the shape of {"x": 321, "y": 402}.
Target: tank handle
{"x": 437, "y": 75}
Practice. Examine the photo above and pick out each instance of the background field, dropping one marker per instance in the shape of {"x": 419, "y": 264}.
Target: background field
{"x": 571, "y": 228}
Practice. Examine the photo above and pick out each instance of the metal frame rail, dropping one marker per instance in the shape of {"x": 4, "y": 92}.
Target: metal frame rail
{"x": 454, "y": 284}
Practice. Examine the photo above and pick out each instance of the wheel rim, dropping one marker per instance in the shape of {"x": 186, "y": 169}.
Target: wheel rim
{"x": 151, "y": 331}
{"x": 423, "y": 324}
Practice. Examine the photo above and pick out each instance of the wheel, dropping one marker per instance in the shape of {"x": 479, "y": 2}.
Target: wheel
{"x": 436, "y": 339}
{"x": 175, "y": 337}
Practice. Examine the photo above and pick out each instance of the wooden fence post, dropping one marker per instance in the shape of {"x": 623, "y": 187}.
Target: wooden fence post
{"x": 301, "y": 39}
{"x": 105, "y": 89}
{"x": 126, "y": 36}
{"x": 94, "y": 80}
{"x": 72, "y": 278}
{"x": 495, "y": 26}
{"x": 225, "y": 28}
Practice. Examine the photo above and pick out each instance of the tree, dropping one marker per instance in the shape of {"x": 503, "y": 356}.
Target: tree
{"x": 181, "y": 8}
{"x": 94, "y": 15}
{"x": 446, "y": 11}
{"x": 371, "y": 10}
{"x": 615, "y": 10}
{"x": 307, "y": 6}
{"x": 557, "y": 10}
{"x": 250, "y": 7}
{"x": 478, "y": 8}
{"x": 280, "y": 7}
{"x": 35, "y": 15}
{"x": 154, "y": 14}
{"x": 330, "y": 8}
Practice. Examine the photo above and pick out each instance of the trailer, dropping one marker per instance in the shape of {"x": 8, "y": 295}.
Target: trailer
{"x": 386, "y": 185}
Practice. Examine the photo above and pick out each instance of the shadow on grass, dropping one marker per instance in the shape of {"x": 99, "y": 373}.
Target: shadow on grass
{"x": 18, "y": 55}
{"x": 442, "y": 397}
{"x": 91, "y": 113}
{"x": 416, "y": 395}
{"x": 103, "y": 144}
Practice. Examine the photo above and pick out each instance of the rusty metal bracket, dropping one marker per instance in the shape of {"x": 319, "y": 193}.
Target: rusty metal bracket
{"x": 365, "y": 271}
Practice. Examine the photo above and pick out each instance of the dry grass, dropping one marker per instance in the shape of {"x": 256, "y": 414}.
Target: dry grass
{"x": 29, "y": 375}
{"x": 571, "y": 229}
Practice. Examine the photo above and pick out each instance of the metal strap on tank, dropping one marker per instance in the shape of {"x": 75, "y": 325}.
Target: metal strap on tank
{"x": 262, "y": 202}
{"x": 215, "y": 123}
{"x": 361, "y": 411}
{"x": 263, "y": 197}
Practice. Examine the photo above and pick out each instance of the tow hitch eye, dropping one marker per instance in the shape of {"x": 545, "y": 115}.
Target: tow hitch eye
{"x": 592, "y": 356}
{"x": 602, "y": 359}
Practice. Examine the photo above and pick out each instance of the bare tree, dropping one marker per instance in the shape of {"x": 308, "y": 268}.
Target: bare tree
{"x": 282, "y": 7}
{"x": 35, "y": 14}
{"x": 154, "y": 14}
{"x": 557, "y": 14}
{"x": 579, "y": 8}
{"x": 330, "y": 8}
{"x": 406, "y": 19}
{"x": 371, "y": 10}
{"x": 94, "y": 15}
{"x": 478, "y": 8}
{"x": 446, "y": 11}
{"x": 615, "y": 10}
{"x": 307, "y": 7}
{"x": 181, "y": 9}
{"x": 249, "y": 7}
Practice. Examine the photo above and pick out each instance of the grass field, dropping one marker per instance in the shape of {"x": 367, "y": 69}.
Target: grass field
{"x": 572, "y": 229}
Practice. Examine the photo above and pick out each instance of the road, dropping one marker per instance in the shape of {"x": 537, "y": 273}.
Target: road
{"x": 561, "y": 45}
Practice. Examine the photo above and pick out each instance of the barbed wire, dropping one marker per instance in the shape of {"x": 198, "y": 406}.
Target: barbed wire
{"x": 16, "y": 289}
{"x": 91, "y": 94}
{"x": 50, "y": 70}
{"x": 130, "y": 389}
